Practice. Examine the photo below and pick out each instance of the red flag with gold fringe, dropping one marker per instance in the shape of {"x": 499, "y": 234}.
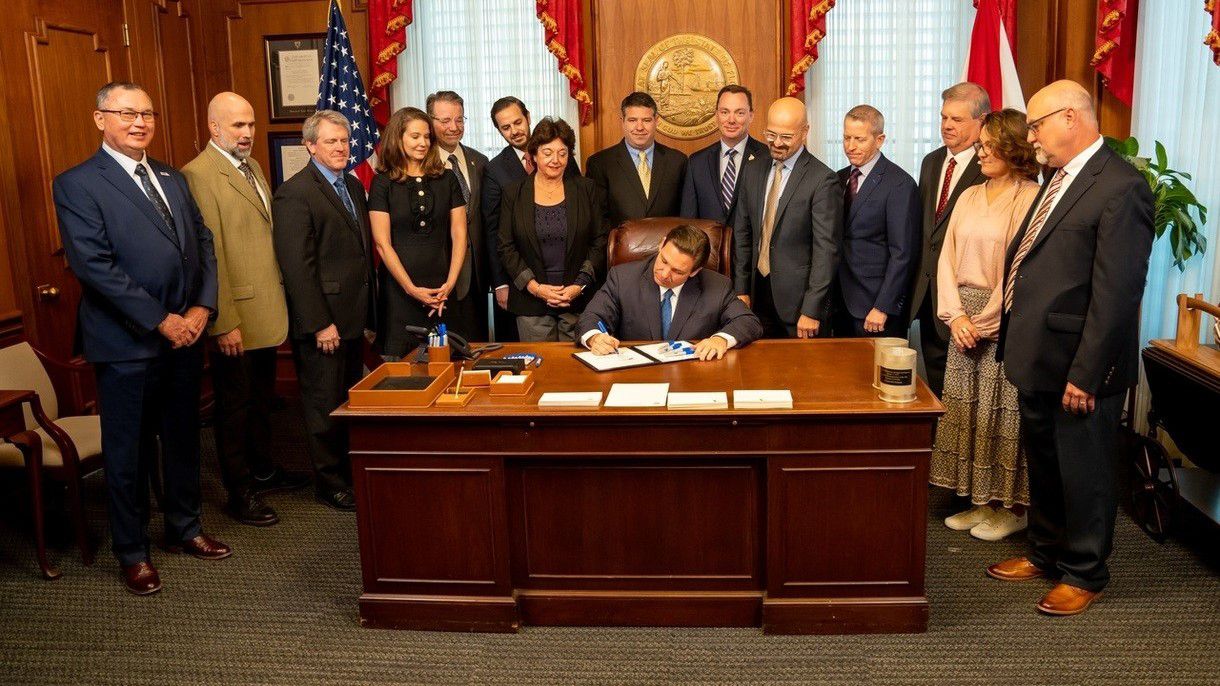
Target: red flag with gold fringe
{"x": 807, "y": 21}
{"x": 388, "y": 21}
{"x": 563, "y": 33}
{"x": 1114, "y": 56}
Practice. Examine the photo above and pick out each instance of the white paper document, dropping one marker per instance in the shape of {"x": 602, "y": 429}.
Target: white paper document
{"x": 624, "y": 358}
{"x": 578, "y": 399}
{"x": 780, "y": 399}
{"x": 698, "y": 401}
{"x": 669, "y": 351}
{"x": 637, "y": 395}
{"x": 512, "y": 379}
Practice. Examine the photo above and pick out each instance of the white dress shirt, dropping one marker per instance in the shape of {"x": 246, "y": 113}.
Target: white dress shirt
{"x": 963, "y": 158}
{"x": 867, "y": 168}
{"x": 1072, "y": 169}
{"x": 461, "y": 157}
{"x": 237, "y": 164}
{"x": 738, "y": 159}
{"x": 129, "y": 165}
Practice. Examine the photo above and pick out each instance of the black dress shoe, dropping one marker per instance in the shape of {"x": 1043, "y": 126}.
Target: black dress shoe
{"x": 248, "y": 509}
{"x": 341, "y": 499}
{"x": 141, "y": 578}
{"x": 277, "y": 481}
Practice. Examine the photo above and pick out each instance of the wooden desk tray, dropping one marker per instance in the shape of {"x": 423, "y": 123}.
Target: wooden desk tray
{"x": 476, "y": 378}
{"x": 462, "y": 399}
{"x": 364, "y": 395}
{"x": 522, "y": 388}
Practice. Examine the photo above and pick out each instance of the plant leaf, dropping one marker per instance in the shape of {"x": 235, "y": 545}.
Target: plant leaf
{"x": 1162, "y": 159}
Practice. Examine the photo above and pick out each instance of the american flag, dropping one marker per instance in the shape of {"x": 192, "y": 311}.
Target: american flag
{"x": 341, "y": 89}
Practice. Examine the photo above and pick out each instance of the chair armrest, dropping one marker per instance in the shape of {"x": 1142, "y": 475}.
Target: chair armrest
{"x": 74, "y": 383}
{"x": 61, "y": 438}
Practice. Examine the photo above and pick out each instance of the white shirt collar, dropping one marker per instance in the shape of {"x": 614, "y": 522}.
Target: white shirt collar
{"x": 461, "y": 156}
{"x": 129, "y": 165}
{"x": 676, "y": 289}
{"x": 520, "y": 154}
{"x": 740, "y": 148}
{"x": 1074, "y": 165}
{"x": 964, "y": 156}
{"x": 232, "y": 160}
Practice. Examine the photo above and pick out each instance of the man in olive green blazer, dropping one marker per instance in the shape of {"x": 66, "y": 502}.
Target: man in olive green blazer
{"x": 252, "y": 315}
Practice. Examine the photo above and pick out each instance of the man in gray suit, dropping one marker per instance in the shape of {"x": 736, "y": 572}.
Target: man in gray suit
{"x": 448, "y": 113}
{"x": 788, "y": 230}
{"x": 669, "y": 297}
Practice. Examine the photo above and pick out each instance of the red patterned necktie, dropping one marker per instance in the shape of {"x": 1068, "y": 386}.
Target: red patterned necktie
{"x": 528, "y": 161}
{"x": 944, "y": 189}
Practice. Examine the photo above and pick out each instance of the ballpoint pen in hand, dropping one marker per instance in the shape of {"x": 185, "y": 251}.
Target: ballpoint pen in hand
{"x": 601, "y": 326}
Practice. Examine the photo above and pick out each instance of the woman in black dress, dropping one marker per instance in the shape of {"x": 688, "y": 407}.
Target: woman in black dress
{"x": 552, "y": 239}
{"x": 417, "y": 216}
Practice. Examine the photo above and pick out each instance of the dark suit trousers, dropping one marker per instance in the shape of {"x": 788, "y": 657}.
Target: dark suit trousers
{"x": 505, "y": 323}
{"x": 324, "y": 380}
{"x": 934, "y": 348}
{"x": 1072, "y": 498}
{"x": 846, "y": 326}
{"x": 141, "y": 401}
{"x": 763, "y": 305}
{"x": 245, "y": 389}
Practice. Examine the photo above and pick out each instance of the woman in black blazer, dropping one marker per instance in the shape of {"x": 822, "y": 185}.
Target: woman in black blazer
{"x": 552, "y": 239}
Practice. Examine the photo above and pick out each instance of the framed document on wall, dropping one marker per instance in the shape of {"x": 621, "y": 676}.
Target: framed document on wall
{"x": 294, "y": 66}
{"x": 288, "y": 156}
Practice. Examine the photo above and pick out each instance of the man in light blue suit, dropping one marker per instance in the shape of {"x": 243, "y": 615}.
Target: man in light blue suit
{"x": 881, "y": 211}
{"x": 136, "y": 241}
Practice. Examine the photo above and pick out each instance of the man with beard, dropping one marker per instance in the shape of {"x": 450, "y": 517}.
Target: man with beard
{"x": 511, "y": 166}
{"x": 251, "y": 315}
{"x": 788, "y": 230}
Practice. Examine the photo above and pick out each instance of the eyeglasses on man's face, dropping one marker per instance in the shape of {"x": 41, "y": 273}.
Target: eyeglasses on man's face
{"x": 459, "y": 121}
{"x": 129, "y": 116}
{"x": 784, "y": 139}
{"x": 1037, "y": 123}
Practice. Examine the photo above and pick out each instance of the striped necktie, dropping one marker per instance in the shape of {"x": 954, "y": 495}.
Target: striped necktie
{"x": 728, "y": 180}
{"x": 1031, "y": 233}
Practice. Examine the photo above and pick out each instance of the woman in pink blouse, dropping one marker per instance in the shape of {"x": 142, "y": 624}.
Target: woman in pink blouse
{"x": 978, "y": 450}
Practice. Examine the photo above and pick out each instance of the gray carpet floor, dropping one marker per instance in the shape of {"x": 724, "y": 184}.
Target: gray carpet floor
{"x": 282, "y": 610}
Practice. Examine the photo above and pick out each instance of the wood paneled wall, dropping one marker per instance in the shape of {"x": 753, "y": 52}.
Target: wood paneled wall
{"x": 623, "y": 30}
{"x": 55, "y": 53}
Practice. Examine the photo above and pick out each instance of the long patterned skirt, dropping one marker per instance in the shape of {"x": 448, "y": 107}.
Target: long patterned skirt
{"x": 978, "y": 450}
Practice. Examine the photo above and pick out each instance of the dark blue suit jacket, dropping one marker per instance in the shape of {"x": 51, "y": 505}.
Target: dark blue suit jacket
{"x": 134, "y": 270}
{"x": 503, "y": 171}
{"x": 701, "y": 189}
{"x": 881, "y": 237}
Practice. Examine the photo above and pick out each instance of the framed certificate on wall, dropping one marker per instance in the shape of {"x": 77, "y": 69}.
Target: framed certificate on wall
{"x": 294, "y": 66}
{"x": 288, "y": 156}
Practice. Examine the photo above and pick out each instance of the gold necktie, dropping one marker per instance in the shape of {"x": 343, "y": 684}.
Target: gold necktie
{"x": 764, "y": 248}
{"x": 644, "y": 172}
{"x": 249, "y": 174}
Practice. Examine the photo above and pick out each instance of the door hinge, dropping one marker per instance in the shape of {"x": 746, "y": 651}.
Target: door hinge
{"x": 126, "y": 37}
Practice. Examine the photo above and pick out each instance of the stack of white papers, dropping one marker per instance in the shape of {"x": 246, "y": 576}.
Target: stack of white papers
{"x": 637, "y": 395}
{"x": 698, "y": 401}
{"x": 763, "y": 399}
{"x": 579, "y": 399}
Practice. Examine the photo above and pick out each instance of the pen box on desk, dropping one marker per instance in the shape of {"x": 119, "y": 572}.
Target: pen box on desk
{"x": 461, "y": 399}
{"x": 393, "y": 385}
{"x": 499, "y": 387}
{"x": 476, "y": 378}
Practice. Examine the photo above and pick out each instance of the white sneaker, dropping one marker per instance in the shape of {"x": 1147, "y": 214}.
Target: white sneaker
{"x": 999, "y": 525}
{"x": 964, "y": 521}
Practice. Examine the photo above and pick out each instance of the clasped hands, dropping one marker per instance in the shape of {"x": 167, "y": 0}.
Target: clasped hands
{"x": 554, "y": 296}
{"x": 183, "y": 330}
{"x": 432, "y": 298}
{"x": 710, "y": 348}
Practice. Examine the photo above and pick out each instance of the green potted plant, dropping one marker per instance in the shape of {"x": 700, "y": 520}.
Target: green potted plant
{"x": 1173, "y": 199}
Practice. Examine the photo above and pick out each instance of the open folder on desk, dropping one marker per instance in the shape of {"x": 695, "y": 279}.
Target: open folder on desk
{"x": 623, "y": 359}
{"x": 669, "y": 351}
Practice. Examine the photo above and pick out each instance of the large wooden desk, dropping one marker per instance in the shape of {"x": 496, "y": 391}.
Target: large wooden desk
{"x": 809, "y": 520}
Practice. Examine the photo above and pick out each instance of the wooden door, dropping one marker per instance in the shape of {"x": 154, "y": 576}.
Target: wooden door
{"x": 54, "y": 55}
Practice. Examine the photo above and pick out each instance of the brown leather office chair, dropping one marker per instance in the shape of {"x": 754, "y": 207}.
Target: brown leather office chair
{"x": 635, "y": 238}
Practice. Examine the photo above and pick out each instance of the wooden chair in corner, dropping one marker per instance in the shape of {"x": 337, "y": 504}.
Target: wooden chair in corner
{"x": 71, "y": 445}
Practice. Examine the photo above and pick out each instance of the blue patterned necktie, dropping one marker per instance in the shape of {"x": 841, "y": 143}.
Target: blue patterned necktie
{"x": 728, "y": 180}
{"x": 667, "y": 312}
{"x": 457, "y": 169}
{"x": 158, "y": 202}
{"x": 341, "y": 189}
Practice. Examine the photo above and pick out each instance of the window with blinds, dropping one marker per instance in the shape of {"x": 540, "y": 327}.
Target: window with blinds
{"x": 895, "y": 56}
{"x": 484, "y": 50}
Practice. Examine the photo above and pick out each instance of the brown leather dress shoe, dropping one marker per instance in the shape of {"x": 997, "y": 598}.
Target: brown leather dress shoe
{"x": 141, "y": 578}
{"x": 1065, "y": 599}
{"x": 202, "y": 547}
{"x": 1015, "y": 569}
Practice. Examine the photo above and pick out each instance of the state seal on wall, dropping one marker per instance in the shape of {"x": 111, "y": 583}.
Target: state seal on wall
{"x": 683, "y": 73}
